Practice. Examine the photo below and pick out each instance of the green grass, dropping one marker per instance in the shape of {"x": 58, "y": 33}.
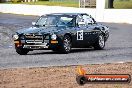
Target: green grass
{"x": 123, "y": 4}
{"x": 49, "y": 3}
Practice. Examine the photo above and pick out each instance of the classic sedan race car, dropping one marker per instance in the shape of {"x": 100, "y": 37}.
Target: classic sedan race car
{"x": 61, "y": 32}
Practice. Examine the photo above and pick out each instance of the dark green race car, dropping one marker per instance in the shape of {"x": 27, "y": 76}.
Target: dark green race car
{"x": 61, "y": 32}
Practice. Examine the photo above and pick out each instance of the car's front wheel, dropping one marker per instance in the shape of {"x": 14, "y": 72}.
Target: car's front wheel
{"x": 66, "y": 46}
{"x": 22, "y": 51}
{"x": 100, "y": 44}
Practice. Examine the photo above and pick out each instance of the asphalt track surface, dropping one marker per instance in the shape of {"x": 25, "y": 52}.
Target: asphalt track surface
{"x": 118, "y": 47}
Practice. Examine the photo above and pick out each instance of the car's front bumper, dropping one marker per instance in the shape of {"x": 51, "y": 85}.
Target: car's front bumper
{"x": 37, "y": 46}
{"x": 40, "y": 46}
{"x": 32, "y": 42}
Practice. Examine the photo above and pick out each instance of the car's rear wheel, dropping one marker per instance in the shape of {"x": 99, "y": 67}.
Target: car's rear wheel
{"x": 100, "y": 44}
{"x": 22, "y": 51}
{"x": 66, "y": 46}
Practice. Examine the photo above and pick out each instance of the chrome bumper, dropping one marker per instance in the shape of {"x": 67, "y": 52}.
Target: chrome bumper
{"x": 36, "y": 46}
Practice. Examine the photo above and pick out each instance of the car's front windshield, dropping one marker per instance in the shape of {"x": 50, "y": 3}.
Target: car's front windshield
{"x": 55, "y": 21}
{"x": 46, "y": 21}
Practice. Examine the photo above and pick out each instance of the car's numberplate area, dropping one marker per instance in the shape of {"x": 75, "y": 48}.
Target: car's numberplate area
{"x": 41, "y": 46}
{"x": 34, "y": 41}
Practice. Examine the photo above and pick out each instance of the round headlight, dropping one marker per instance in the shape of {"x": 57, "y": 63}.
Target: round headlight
{"x": 15, "y": 37}
{"x": 53, "y": 37}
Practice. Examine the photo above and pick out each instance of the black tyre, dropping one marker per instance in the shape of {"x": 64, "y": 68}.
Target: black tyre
{"x": 22, "y": 51}
{"x": 66, "y": 46}
{"x": 100, "y": 44}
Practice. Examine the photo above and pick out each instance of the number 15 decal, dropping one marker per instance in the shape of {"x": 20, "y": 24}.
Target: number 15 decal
{"x": 80, "y": 35}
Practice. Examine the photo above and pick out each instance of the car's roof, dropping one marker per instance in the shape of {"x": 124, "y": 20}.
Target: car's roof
{"x": 70, "y": 14}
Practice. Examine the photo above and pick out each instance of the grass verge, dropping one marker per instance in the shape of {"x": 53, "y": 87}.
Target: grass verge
{"x": 49, "y": 3}
{"x": 123, "y": 5}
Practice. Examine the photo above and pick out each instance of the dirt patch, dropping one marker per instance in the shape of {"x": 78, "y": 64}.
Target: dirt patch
{"x": 60, "y": 77}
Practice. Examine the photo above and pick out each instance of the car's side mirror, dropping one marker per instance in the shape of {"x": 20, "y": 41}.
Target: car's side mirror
{"x": 94, "y": 20}
{"x": 33, "y": 23}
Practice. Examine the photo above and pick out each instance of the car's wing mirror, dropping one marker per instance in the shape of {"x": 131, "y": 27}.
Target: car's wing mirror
{"x": 94, "y": 21}
{"x": 33, "y": 23}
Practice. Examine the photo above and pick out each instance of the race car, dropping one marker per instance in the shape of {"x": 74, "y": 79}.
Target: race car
{"x": 61, "y": 32}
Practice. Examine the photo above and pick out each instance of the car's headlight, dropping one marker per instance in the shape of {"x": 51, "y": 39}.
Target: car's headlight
{"x": 15, "y": 37}
{"x": 53, "y": 37}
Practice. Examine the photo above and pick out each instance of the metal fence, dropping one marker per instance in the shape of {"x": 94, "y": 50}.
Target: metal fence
{"x": 87, "y": 3}
{"x": 64, "y": 0}
{"x": 82, "y": 3}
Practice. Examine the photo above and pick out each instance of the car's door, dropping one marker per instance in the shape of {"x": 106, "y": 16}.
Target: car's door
{"x": 85, "y": 33}
{"x": 79, "y": 30}
{"x": 90, "y": 35}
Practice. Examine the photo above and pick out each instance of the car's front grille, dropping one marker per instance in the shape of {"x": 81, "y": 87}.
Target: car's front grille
{"x": 32, "y": 38}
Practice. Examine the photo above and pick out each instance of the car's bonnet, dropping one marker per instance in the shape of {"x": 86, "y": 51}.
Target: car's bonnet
{"x": 41, "y": 30}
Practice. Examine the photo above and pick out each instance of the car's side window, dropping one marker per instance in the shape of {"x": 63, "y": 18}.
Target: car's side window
{"x": 87, "y": 19}
{"x": 79, "y": 19}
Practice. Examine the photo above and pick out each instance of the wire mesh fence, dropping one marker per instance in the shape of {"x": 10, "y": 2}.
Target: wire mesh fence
{"x": 81, "y": 3}
{"x": 87, "y": 3}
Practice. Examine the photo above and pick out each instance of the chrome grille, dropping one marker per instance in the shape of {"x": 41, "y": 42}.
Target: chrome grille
{"x": 32, "y": 38}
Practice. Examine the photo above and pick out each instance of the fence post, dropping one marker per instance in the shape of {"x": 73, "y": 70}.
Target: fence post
{"x": 84, "y": 3}
{"x": 79, "y": 3}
